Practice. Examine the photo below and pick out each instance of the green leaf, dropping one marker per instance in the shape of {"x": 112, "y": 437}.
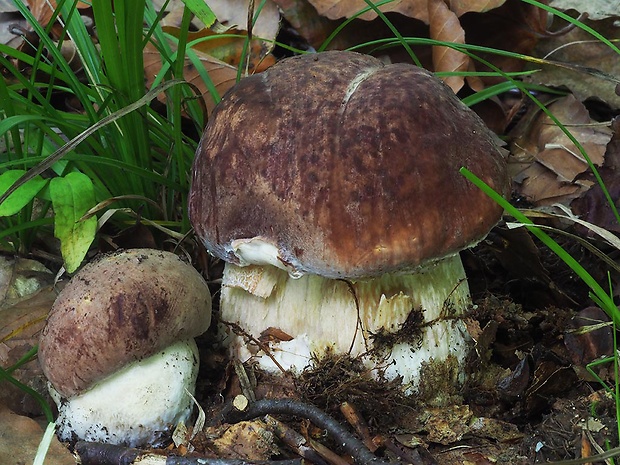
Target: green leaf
{"x": 72, "y": 196}
{"x": 202, "y": 11}
{"x": 22, "y": 195}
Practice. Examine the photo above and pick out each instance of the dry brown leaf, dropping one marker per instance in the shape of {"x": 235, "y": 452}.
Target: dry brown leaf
{"x": 234, "y": 14}
{"x": 43, "y": 10}
{"x": 223, "y": 75}
{"x": 596, "y": 9}
{"x": 418, "y": 9}
{"x": 20, "y": 440}
{"x": 460, "y": 7}
{"x": 230, "y": 49}
{"x": 593, "y": 206}
{"x": 541, "y": 187}
{"x": 335, "y": 9}
{"x": 578, "y": 47}
{"x": 247, "y": 440}
{"x": 545, "y": 164}
{"x": 20, "y": 326}
{"x": 305, "y": 21}
{"x": 514, "y": 26}
{"x": 445, "y": 26}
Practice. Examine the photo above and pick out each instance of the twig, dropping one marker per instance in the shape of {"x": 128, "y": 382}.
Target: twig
{"x": 351, "y": 445}
{"x": 294, "y": 440}
{"x": 239, "y": 331}
{"x": 326, "y": 453}
{"x": 244, "y": 380}
{"x": 94, "y": 453}
{"x": 416, "y": 456}
{"x": 355, "y": 419}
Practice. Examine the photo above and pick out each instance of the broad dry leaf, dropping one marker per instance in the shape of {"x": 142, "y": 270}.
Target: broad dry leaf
{"x": 335, "y": 9}
{"x": 593, "y": 206}
{"x": 43, "y": 10}
{"x": 230, "y": 50}
{"x": 547, "y": 167}
{"x": 418, "y": 9}
{"x": 445, "y": 26}
{"x": 247, "y": 440}
{"x": 305, "y": 22}
{"x": 578, "y": 47}
{"x": 596, "y": 9}
{"x": 514, "y": 26}
{"x": 20, "y": 440}
{"x": 234, "y": 15}
{"x": 222, "y": 75}
{"x": 460, "y": 7}
{"x": 20, "y": 326}
{"x": 541, "y": 186}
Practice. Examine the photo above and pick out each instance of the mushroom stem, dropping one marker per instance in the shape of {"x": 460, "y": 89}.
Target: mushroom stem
{"x": 136, "y": 405}
{"x": 398, "y": 322}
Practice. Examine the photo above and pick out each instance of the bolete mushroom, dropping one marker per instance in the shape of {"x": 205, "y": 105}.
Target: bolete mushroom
{"x": 330, "y": 185}
{"x": 118, "y": 347}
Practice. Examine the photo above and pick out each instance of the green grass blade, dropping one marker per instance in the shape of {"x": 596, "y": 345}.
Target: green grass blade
{"x": 62, "y": 151}
{"x": 596, "y": 290}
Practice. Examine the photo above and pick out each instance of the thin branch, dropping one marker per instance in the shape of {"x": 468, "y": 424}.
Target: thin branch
{"x": 350, "y": 444}
{"x": 94, "y": 453}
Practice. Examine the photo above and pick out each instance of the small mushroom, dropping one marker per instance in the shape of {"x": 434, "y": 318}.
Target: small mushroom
{"x": 330, "y": 184}
{"x": 118, "y": 347}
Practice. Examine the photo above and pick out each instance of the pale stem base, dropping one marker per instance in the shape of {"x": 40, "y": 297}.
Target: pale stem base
{"x": 321, "y": 314}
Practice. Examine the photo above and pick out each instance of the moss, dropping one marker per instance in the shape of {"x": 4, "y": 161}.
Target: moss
{"x": 440, "y": 383}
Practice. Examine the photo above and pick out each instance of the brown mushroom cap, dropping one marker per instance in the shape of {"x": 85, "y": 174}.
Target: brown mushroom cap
{"x": 121, "y": 308}
{"x": 348, "y": 166}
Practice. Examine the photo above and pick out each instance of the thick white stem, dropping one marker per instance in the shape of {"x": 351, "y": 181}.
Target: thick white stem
{"x": 321, "y": 314}
{"x": 136, "y": 405}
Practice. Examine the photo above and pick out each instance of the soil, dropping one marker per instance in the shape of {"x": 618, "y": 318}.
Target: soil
{"x": 528, "y": 397}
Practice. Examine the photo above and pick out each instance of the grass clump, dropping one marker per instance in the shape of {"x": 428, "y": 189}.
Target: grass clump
{"x": 126, "y": 158}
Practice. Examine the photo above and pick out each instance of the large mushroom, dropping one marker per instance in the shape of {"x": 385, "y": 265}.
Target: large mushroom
{"x": 118, "y": 347}
{"x": 330, "y": 185}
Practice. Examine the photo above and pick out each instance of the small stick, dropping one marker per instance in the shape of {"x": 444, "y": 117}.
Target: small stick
{"x": 415, "y": 456}
{"x": 94, "y": 453}
{"x": 327, "y": 454}
{"x": 244, "y": 380}
{"x": 355, "y": 419}
{"x": 294, "y": 440}
{"x": 351, "y": 445}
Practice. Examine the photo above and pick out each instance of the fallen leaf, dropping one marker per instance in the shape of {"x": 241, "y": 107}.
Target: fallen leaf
{"x": 20, "y": 440}
{"x": 305, "y": 22}
{"x": 234, "y": 15}
{"x": 545, "y": 164}
{"x": 222, "y": 75}
{"x": 445, "y": 26}
{"x": 514, "y": 26}
{"x": 460, "y": 7}
{"x": 593, "y": 206}
{"x": 247, "y": 440}
{"x": 335, "y": 9}
{"x": 20, "y": 278}
{"x": 589, "y": 337}
{"x": 596, "y": 9}
{"x": 230, "y": 50}
{"x": 20, "y": 326}
{"x": 578, "y": 47}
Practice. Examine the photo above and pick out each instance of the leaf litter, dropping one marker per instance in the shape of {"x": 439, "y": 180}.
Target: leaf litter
{"x": 528, "y": 397}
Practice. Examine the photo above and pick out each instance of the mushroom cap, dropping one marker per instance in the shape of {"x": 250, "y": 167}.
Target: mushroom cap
{"x": 345, "y": 166}
{"x": 120, "y": 308}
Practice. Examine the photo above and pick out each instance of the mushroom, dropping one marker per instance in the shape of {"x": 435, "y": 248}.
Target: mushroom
{"x": 118, "y": 347}
{"x": 330, "y": 185}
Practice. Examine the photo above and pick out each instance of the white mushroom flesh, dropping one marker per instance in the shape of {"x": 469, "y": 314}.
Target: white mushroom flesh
{"x": 321, "y": 314}
{"x": 136, "y": 405}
